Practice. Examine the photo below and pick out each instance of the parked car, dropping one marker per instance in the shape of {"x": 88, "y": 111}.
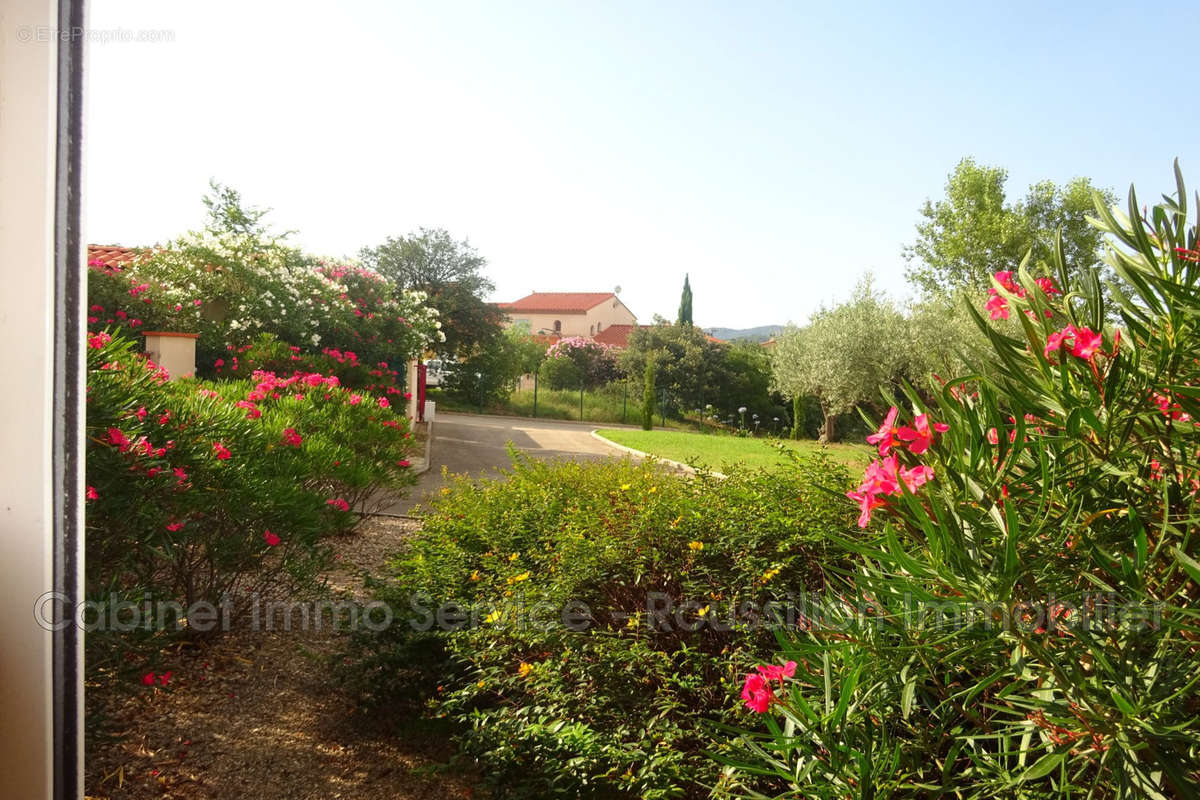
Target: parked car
{"x": 436, "y": 370}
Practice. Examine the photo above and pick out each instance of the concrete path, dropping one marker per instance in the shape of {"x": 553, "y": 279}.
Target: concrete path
{"x": 477, "y": 444}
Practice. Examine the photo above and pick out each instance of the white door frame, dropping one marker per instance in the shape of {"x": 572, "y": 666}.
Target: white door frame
{"x": 41, "y": 410}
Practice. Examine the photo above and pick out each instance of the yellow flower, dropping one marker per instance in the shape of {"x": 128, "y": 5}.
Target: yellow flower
{"x": 702, "y": 612}
{"x": 625, "y": 487}
{"x": 492, "y": 617}
{"x": 524, "y": 669}
{"x": 653, "y": 489}
{"x": 695, "y": 545}
{"x": 524, "y": 576}
{"x": 481, "y": 684}
{"x": 445, "y": 490}
{"x": 514, "y": 556}
{"x": 677, "y": 520}
{"x": 475, "y": 575}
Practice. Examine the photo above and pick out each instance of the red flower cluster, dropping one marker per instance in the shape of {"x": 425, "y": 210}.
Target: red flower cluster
{"x": 291, "y": 438}
{"x": 757, "y": 692}
{"x": 997, "y": 304}
{"x": 150, "y": 678}
{"x": 885, "y": 475}
{"x": 1082, "y": 342}
{"x": 338, "y": 503}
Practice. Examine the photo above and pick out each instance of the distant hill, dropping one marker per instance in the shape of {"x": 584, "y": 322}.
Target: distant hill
{"x": 759, "y": 334}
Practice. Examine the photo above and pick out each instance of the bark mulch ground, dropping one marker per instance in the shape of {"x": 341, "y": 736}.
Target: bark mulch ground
{"x": 258, "y": 714}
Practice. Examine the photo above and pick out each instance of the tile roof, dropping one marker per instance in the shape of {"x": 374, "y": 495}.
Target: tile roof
{"x": 557, "y": 302}
{"x": 113, "y": 255}
{"x": 615, "y": 335}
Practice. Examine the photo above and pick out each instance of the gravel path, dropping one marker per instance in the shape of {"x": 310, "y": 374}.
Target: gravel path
{"x": 258, "y": 715}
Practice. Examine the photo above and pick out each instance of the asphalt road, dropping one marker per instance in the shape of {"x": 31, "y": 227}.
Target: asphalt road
{"x": 478, "y": 445}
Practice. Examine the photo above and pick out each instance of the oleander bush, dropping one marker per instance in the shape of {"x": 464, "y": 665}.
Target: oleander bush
{"x": 1021, "y": 620}
{"x": 664, "y": 582}
{"x": 208, "y": 492}
{"x": 267, "y": 353}
{"x": 234, "y": 282}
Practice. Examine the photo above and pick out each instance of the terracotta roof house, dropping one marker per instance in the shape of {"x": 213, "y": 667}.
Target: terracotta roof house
{"x": 615, "y": 335}
{"x": 568, "y": 313}
{"x": 113, "y": 255}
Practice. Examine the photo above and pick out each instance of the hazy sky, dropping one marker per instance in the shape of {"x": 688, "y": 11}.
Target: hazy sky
{"x": 772, "y": 150}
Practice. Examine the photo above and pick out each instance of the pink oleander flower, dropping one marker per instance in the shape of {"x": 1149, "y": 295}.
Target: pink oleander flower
{"x": 383, "y": 402}
{"x": 1048, "y": 286}
{"x": 165, "y": 678}
{"x": 757, "y": 693}
{"x": 270, "y": 538}
{"x": 174, "y": 526}
{"x": 99, "y": 340}
{"x": 116, "y": 437}
{"x": 148, "y": 679}
{"x": 221, "y": 451}
{"x": 919, "y": 437}
{"x": 1053, "y": 342}
{"x": 775, "y": 672}
{"x": 252, "y": 411}
{"x": 916, "y": 477}
{"x": 355, "y": 399}
{"x": 997, "y": 305}
{"x": 1083, "y": 342}
{"x": 164, "y": 418}
{"x": 404, "y": 463}
{"x": 291, "y": 438}
{"x": 886, "y": 436}
{"x": 867, "y": 502}
{"x": 881, "y": 476}
{"x": 1086, "y": 343}
{"x": 180, "y": 476}
{"x": 338, "y": 503}
{"x": 92, "y": 494}
{"x": 140, "y": 413}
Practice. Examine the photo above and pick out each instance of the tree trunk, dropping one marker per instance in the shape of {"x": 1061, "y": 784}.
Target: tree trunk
{"x": 827, "y": 435}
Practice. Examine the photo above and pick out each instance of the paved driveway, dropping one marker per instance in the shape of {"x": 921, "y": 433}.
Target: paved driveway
{"x": 477, "y": 444}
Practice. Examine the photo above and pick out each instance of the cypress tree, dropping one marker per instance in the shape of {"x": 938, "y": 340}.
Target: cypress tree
{"x": 685, "y": 303}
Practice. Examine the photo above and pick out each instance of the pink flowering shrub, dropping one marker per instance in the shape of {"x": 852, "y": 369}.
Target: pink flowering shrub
{"x": 269, "y": 354}
{"x": 577, "y": 361}
{"x": 231, "y": 285}
{"x": 1021, "y": 620}
{"x": 215, "y": 492}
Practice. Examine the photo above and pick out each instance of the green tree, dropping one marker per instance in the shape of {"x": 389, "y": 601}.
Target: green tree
{"x": 490, "y": 373}
{"x": 974, "y": 231}
{"x": 844, "y": 355}
{"x": 648, "y": 390}
{"x": 685, "y": 304}
{"x": 689, "y": 362}
{"x": 450, "y": 272}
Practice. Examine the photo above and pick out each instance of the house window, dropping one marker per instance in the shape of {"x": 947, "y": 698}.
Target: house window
{"x": 599, "y": 327}
{"x": 591, "y": 330}
{"x": 558, "y": 326}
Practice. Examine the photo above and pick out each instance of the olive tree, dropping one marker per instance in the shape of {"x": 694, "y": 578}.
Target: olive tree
{"x": 844, "y": 355}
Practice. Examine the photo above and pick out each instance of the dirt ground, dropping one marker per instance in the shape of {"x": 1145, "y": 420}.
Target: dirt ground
{"x": 256, "y": 714}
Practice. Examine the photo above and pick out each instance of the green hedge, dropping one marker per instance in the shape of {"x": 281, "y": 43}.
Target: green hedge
{"x": 618, "y": 707}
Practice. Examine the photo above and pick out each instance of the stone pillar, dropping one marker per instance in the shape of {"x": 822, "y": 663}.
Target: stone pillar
{"x": 411, "y": 387}
{"x": 176, "y": 352}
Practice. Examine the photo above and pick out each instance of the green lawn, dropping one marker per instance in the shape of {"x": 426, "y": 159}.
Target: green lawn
{"x": 715, "y": 451}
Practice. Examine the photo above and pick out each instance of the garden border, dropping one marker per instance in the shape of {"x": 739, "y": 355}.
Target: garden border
{"x": 676, "y": 464}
